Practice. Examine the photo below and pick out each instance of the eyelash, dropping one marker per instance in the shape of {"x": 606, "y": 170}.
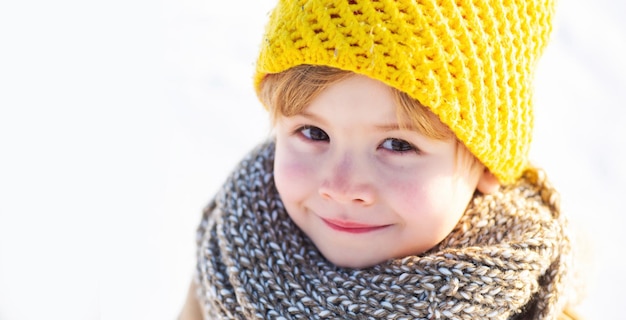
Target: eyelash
{"x": 301, "y": 130}
{"x": 405, "y": 146}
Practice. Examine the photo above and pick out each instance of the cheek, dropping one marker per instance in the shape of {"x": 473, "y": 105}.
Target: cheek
{"x": 409, "y": 197}
{"x": 432, "y": 203}
{"x": 293, "y": 176}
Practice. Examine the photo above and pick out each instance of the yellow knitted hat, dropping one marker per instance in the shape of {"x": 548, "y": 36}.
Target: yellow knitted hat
{"x": 470, "y": 62}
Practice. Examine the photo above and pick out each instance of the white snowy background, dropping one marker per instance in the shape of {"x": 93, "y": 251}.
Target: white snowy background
{"x": 120, "y": 119}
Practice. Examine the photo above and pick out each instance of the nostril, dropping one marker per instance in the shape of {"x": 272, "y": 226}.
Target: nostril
{"x": 362, "y": 195}
{"x": 324, "y": 194}
{"x": 345, "y": 184}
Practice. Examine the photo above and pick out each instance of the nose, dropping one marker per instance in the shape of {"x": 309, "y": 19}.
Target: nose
{"x": 347, "y": 181}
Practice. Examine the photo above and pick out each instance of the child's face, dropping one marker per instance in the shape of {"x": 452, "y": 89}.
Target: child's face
{"x": 362, "y": 189}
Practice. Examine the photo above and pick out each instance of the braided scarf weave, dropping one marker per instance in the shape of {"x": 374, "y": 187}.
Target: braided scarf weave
{"x": 507, "y": 258}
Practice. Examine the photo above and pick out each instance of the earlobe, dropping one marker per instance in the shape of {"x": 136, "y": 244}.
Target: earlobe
{"x": 488, "y": 183}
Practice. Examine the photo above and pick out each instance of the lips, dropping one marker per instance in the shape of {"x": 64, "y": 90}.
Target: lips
{"x": 352, "y": 227}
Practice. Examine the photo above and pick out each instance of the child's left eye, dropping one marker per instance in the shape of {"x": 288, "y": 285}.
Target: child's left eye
{"x": 397, "y": 145}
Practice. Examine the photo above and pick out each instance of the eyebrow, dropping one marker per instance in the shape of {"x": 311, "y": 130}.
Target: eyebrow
{"x": 394, "y": 127}
{"x": 379, "y": 127}
{"x": 310, "y": 115}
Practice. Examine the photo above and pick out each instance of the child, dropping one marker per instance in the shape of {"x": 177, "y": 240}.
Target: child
{"x": 397, "y": 184}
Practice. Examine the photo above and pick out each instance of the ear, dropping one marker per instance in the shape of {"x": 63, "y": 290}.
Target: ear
{"x": 488, "y": 183}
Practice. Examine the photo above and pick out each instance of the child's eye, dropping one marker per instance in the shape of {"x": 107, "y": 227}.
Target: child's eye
{"x": 397, "y": 145}
{"x": 313, "y": 133}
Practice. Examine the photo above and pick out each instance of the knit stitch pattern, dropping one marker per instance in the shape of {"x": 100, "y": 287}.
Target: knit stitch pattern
{"x": 508, "y": 258}
{"x": 470, "y": 62}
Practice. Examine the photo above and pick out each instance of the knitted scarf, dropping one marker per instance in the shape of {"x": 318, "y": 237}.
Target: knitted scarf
{"x": 507, "y": 258}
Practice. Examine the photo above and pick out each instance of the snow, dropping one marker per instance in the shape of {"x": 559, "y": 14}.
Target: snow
{"x": 119, "y": 120}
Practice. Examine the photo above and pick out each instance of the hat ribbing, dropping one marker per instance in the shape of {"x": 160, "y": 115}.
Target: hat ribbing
{"x": 470, "y": 62}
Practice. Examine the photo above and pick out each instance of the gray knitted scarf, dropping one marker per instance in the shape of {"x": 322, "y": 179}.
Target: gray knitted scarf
{"x": 508, "y": 258}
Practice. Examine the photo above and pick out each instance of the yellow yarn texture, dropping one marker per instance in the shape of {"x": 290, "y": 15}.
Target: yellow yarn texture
{"x": 470, "y": 61}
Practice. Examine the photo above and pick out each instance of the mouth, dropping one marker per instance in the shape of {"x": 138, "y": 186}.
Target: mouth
{"x": 352, "y": 227}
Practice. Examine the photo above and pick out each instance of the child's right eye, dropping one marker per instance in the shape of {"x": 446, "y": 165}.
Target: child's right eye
{"x": 313, "y": 133}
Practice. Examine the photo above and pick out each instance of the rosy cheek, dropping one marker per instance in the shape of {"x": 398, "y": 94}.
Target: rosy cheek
{"x": 290, "y": 173}
{"x": 407, "y": 195}
{"x": 415, "y": 196}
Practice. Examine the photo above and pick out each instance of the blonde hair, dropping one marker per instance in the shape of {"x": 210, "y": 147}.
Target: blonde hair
{"x": 289, "y": 92}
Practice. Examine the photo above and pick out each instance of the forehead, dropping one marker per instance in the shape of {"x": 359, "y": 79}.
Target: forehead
{"x": 373, "y": 100}
{"x": 357, "y": 91}
{"x": 355, "y": 103}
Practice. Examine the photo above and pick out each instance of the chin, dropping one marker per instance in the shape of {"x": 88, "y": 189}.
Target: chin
{"x": 351, "y": 262}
